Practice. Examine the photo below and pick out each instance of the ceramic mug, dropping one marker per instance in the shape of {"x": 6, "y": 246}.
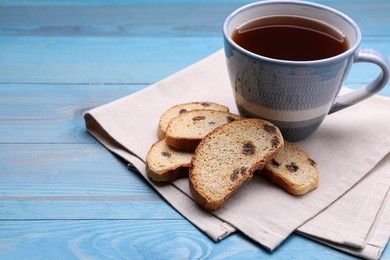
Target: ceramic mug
{"x": 296, "y": 95}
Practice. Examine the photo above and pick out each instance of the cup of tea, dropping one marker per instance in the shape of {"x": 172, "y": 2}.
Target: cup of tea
{"x": 287, "y": 61}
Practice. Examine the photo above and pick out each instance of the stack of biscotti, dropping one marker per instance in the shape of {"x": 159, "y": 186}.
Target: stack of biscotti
{"x": 220, "y": 151}
{"x": 180, "y": 130}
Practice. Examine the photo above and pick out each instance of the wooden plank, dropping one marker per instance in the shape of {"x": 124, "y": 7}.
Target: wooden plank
{"x": 141, "y": 20}
{"x": 73, "y": 181}
{"x": 140, "y": 239}
{"x": 66, "y": 159}
{"x": 52, "y": 113}
{"x": 94, "y": 60}
{"x": 161, "y": 19}
{"x": 45, "y": 49}
{"x": 94, "y": 207}
{"x": 126, "y": 2}
{"x": 98, "y": 60}
{"x": 119, "y": 2}
{"x": 70, "y": 169}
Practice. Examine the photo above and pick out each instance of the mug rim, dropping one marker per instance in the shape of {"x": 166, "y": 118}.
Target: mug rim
{"x": 342, "y": 55}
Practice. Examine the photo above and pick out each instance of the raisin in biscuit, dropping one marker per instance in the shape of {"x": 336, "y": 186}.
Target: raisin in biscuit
{"x": 293, "y": 170}
{"x": 178, "y": 109}
{"x": 163, "y": 164}
{"x": 228, "y": 156}
{"x": 185, "y": 131}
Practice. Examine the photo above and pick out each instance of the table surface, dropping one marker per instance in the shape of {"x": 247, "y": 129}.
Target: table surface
{"x": 64, "y": 196}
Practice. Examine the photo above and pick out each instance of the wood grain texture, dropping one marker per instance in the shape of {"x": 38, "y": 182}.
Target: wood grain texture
{"x": 84, "y": 43}
{"x": 138, "y": 239}
{"x": 160, "y": 18}
{"x": 73, "y": 181}
{"x": 52, "y": 113}
{"x": 62, "y": 195}
{"x": 99, "y": 60}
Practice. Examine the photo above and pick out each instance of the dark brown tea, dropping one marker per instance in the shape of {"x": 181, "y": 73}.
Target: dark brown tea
{"x": 290, "y": 38}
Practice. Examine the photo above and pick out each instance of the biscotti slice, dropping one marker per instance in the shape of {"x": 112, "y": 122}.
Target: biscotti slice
{"x": 163, "y": 164}
{"x": 293, "y": 170}
{"x": 228, "y": 156}
{"x": 185, "y": 131}
{"x": 174, "y": 111}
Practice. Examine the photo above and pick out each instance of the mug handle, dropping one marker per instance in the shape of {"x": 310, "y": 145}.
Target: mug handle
{"x": 349, "y": 99}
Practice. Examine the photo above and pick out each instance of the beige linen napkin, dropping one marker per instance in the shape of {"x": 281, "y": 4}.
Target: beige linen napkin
{"x": 347, "y": 147}
{"x": 359, "y": 221}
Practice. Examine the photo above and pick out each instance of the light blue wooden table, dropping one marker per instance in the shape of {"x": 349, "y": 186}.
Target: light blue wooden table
{"x": 62, "y": 195}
